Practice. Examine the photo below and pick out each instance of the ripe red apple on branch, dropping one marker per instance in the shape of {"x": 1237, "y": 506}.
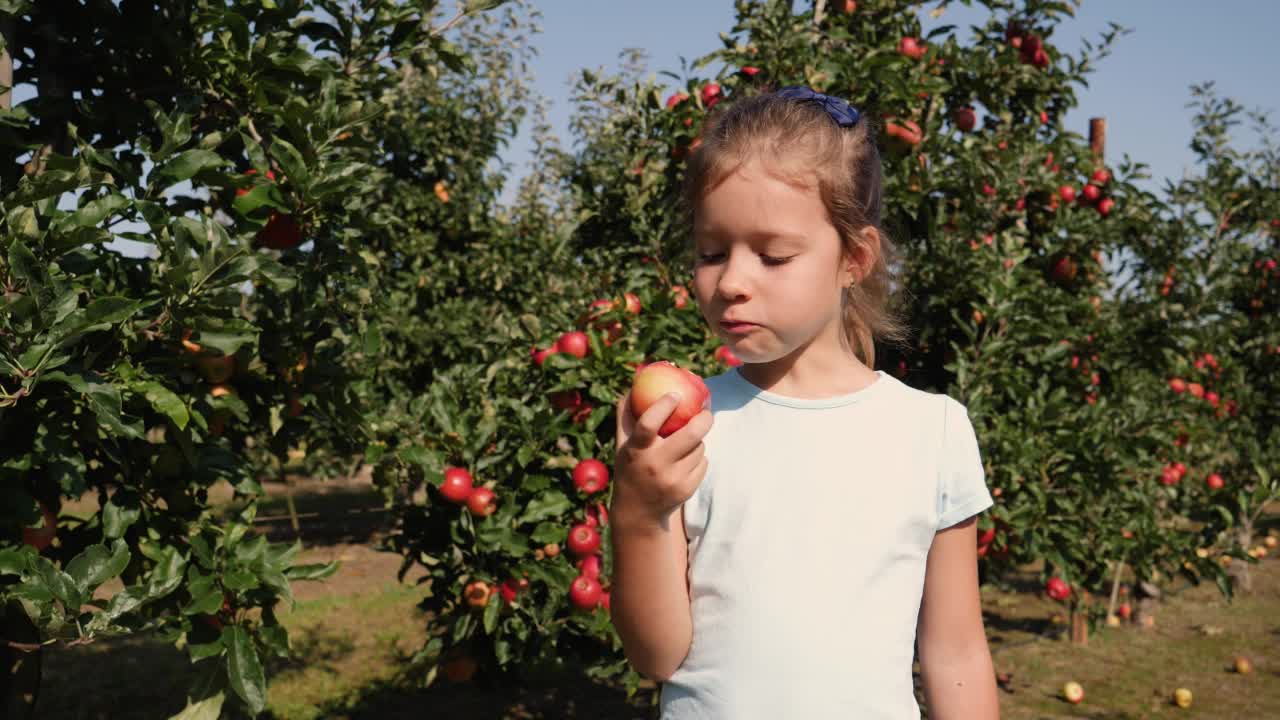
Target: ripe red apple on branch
{"x": 583, "y": 540}
{"x": 663, "y": 377}
{"x": 913, "y": 48}
{"x": 456, "y": 487}
{"x": 965, "y": 118}
{"x": 41, "y": 537}
{"x": 585, "y": 593}
{"x": 590, "y": 476}
{"x": 482, "y": 502}
{"x": 1057, "y": 589}
{"x": 281, "y": 231}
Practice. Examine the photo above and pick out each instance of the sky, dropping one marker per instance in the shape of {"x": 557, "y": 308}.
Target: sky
{"x": 1141, "y": 88}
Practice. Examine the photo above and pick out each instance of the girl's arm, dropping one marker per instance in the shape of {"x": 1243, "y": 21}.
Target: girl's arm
{"x": 955, "y": 663}
{"x": 649, "y": 601}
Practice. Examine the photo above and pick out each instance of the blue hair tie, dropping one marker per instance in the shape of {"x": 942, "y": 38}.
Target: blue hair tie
{"x": 844, "y": 114}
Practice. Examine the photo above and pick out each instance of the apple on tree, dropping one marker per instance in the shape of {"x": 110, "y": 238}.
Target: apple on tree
{"x": 1057, "y": 589}
{"x": 482, "y": 502}
{"x": 585, "y": 593}
{"x": 590, "y": 476}
{"x": 574, "y": 343}
{"x": 583, "y": 540}
{"x": 457, "y": 485}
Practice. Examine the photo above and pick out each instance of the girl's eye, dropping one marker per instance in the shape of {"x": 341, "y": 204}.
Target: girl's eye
{"x": 767, "y": 259}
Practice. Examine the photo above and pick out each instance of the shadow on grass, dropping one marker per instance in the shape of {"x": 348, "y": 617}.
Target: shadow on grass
{"x": 542, "y": 696}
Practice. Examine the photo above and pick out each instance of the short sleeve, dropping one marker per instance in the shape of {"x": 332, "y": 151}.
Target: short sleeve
{"x": 962, "y": 486}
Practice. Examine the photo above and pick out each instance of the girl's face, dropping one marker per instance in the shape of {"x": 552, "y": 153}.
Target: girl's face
{"x": 765, "y": 253}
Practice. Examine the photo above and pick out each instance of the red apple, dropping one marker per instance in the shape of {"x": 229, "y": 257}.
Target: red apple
{"x": 681, "y": 294}
{"x": 482, "y": 502}
{"x": 905, "y": 132}
{"x": 583, "y": 540}
{"x": 726, "y": 356}
{"x": 1044, "y": 116}
{"x": 598, "y": 514}
{"x": 1090, "y": 193}
{"x": 1067, "y": 193}
{"x": 660, "y": 378}
{"x": 1100, "y": 177}
{"x": 1057, "y": 589}
{"x": 748, "y": 70}
{"x": 1124, "y": 611}
{"x": 589, "y": 566}
{"x": 911, "y": 47}
{"x": 477, "y": 593}
{"x": 1178, "y": 385}
{"x": 632, "y": 303}
{"x": 216, "y": 369}
{"x": 711, "y": 94}
{"x": 41, "y": 537}
{"x": 509, "y": 590}
{"x": 590, "y": 476}
{"x": 1196, "y": 390}
{"x": 540, "y": 356}
{"x": 1073, "y": 693}
{"x": 281, "y": 232}
{"x": 567, "y": 400}
{"x": 574, "y": 343}
{"x": 1105, "y": 205}
{"x": 676, "y": 99}
{"x": 585, "y": 593}
{"x": 456, "y": 487}
{"x": 1211, "y": 397}
{"x": 1214, "y": 481}
{"x": 987, "y": 536}
{"x": 965, "y": 118}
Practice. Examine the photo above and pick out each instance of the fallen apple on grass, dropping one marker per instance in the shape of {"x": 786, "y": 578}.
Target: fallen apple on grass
{"x": 1073, "y": 692}
{"x": 1242, "y": 665}
{"x": 1182, "y": 698}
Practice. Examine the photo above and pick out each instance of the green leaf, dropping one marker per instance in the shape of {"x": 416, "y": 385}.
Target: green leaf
{"x": 204, "y": 702}
{"x": 206, "y": 596}
{"x": 244, "y": 670}
{"x": 117, "y": 519}
{"x": 315, "y": 571}
{"x": 548, "y": 532}
{"x": 185, "y": 166}
{"x": 14, "y": 561}
{"x": 291, "y": 162}
{"x": 550, "y": 504}
{"x": 125, "y": 601}
{"x": 92, "y": 214}
{"x": 491, "y": 613}
{"x": 24, "y": 267}
{"x": 164, "y": 401}
{"x": 98, "y": 564}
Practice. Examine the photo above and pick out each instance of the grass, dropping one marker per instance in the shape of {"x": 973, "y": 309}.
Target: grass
{"x": 352, "y": 636}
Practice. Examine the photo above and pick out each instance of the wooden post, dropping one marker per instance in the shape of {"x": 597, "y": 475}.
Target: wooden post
{"x": 1098, "y": 137}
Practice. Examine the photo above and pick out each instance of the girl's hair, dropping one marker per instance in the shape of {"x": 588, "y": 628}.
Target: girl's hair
{"x": 800, "y": 144}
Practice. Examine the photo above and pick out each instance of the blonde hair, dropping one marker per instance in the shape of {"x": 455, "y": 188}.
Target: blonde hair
{"x": 800, "y": 143}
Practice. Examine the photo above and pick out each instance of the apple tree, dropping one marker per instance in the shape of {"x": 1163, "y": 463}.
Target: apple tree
{"x": 215, "y": 141}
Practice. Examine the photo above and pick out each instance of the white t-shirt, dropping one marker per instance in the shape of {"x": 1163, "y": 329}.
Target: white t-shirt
{"x": 807, "y": 546}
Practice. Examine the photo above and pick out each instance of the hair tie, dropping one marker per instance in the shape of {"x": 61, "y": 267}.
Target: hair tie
{"x": 840, "y": 111}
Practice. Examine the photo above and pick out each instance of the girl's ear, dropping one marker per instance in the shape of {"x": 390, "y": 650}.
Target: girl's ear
{"x": 864, "y": 254}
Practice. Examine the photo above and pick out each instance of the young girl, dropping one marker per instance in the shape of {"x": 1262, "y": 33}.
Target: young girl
{"x": 786, "y": 561}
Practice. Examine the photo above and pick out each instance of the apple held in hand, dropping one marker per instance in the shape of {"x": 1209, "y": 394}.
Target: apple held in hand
{"x": 590, "y": 476}
{"x": 662, "y": 377}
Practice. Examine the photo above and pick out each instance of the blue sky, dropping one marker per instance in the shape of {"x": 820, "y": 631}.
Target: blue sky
{"x": 1141, "y": 88}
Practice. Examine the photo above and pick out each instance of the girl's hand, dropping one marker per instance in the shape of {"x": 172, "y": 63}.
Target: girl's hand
{"x": 654, "y": 476}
